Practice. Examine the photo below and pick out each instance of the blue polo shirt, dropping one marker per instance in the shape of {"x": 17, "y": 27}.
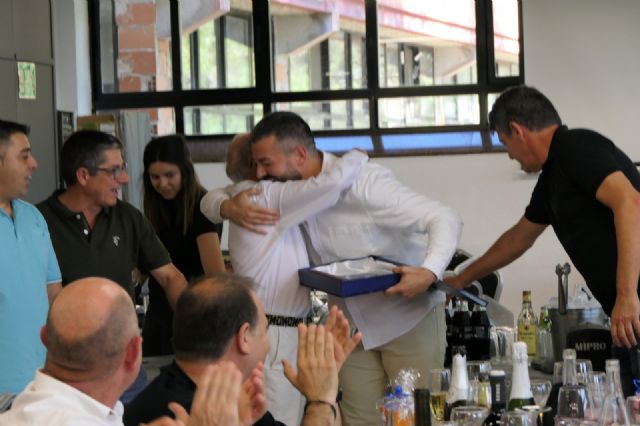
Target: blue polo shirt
{"x": 27, "y": 265}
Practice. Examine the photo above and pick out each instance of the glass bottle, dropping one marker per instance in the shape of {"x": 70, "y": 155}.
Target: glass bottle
{"x": 614, "y": 411}
{"x": 520, "y": 386}
{"x": 544, "y": 342}
{"x": 528, "y": 324}
{"x": 573, "y": 400}
{"x": 461, "y": 327}
{"x": 498, "y": 398}
{"x": 480, "y": 340}
{"x": 459, "y": 386}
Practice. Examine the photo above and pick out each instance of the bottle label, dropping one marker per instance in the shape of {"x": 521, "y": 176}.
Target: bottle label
{"x": 528, "y": 334}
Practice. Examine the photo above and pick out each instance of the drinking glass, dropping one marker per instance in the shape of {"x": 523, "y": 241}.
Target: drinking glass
{"x": 597, "y": 387}
{"x": 541, "y": 389}
{"x": 506, "y": 338}
{"x": 557, "y": 371}
{"x": 469, "y": 415}
{"x": 439, "y": 379}
{"x": 478, "y": 370}
{"x": 583, "y": 368}
{"x": 519, "y": 418}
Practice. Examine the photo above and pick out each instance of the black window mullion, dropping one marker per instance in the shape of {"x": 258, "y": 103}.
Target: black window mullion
{"x": 176, "y": 65}
{"x": 373, "y": 83}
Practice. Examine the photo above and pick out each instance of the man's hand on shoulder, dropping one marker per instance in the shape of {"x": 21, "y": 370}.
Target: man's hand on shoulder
{"x": 414, "y": 281}
{"x": 241, "y": 211}
{"x": 625, "y": 320}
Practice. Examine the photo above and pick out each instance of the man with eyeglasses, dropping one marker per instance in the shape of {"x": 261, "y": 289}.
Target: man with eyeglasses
{"x": 30, "y": 274}
{"x": 93, "y": 232}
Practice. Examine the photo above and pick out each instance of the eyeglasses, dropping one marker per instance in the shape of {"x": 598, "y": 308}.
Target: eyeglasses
{"x": 115, "y": 172}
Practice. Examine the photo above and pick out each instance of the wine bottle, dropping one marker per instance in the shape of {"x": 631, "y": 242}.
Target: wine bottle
{"x": 480, "y": 349}
{"x": 528, "y": 324}
{"x": 459, "y": 386}
{"x": 498, "y": 398}
{"x": 520, "y": 386}
{"x": 461, "y": 324}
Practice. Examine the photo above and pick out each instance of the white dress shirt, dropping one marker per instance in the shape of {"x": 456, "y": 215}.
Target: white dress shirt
{"x": 48, "y": 401}
{"x": 273, "y": 260}
{"x": 379, "y": 216}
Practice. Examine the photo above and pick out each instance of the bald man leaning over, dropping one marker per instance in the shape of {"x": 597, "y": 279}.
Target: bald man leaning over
{"x": 93, "y": 355}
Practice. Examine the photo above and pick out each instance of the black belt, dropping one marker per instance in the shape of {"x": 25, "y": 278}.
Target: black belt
{"x": 282, "y": 321}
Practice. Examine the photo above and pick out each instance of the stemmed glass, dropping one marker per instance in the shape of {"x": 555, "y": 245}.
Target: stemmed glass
{"x": 469, "y": 415}
{"x": 518, "y": 418}
{"x": 541, "y": 389}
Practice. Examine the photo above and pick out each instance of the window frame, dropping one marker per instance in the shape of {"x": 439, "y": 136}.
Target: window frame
{"x": 264, "y": 93}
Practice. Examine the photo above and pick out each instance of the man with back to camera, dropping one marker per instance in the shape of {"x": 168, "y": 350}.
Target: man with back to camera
{"x": 220, "y": 318}
{"x": 375, "y": 216}
{"x": 93, "y": 354}
{"x": 272, "y": 259}
{"x": 96, "y": 234}
{"x": 587, "y": 191}
{"x": 30, "y": 273}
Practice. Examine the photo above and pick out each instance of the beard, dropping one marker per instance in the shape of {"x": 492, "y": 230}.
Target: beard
{"x": 290, "y": 173}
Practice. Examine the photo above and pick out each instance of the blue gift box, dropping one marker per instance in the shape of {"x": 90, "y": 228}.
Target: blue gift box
{"x": 347, "y": 286}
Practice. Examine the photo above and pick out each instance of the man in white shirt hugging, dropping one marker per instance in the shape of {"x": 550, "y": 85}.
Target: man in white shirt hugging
{"x": 403, "y": 327}
{"x": 273, "y": 255}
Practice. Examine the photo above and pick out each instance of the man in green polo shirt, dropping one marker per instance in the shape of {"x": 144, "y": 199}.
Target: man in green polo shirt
{"x": 93, "y": 232}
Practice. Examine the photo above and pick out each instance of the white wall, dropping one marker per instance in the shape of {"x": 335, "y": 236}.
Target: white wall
{"x": 583, "y": 55}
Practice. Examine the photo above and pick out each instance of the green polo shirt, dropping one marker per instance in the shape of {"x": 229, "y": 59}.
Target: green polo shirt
{"x": 121, "y": 239}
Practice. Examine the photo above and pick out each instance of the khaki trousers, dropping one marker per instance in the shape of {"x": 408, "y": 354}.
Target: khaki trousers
{"x": 365, "y": 374}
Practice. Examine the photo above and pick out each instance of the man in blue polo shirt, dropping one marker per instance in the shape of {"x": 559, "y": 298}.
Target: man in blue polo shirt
{"x": 30, "y": 276}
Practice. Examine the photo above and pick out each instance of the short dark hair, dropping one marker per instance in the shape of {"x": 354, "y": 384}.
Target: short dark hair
{"x": 171, "y": 149}
{"x": 85, "y": 148}
{"x": 209, "y": 313}
{"x": 288, "y": 128}
{"x": 8, "y": 128}
{"x": 526, "y": 106}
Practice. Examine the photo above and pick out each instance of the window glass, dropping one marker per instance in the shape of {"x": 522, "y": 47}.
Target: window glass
{"x": 506, "y": 38}
{"x": 221, "y": 119}
{"x": 330, "y": 115}
{"x": 217, "y": 44}
{"x": 343, "y": 143}
{"x": 420, "y": 111}
{"x": 135, "y": 46}
{"x": 426, "y": 42}
{"x": 432, "y": 141}
{"x": 319, "y": 47}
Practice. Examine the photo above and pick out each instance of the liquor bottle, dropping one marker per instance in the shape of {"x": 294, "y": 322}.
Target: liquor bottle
{"x": 528, "y": 324}
{"x": 480, "y": 347}
{"x": 613, "y": 411}
{"x": 498, "y": 398}
{"x": 459, "y": 386}
{"x": 520, "y": 386}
